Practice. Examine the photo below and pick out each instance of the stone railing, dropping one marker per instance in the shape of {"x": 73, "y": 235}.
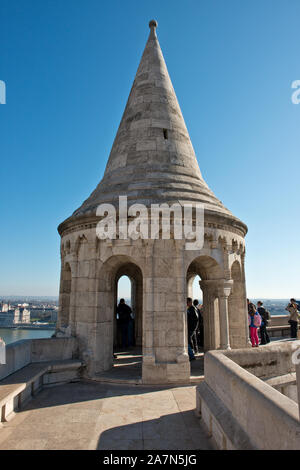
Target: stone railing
{"x": 279, "y": 320}
{"x": 279, "y": 326}
{"x": 32, "y": 365}
{"x": 24, "y": 352}
{"x": 242, "y": 411}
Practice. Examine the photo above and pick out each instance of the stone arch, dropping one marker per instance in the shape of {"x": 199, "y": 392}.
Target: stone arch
{"x": 65, "y": 295}
{"x": 206, "y": 267}
{"x": 109, "y": 273}
{"x": 136, "y": 278}
{"x": 210, "y": 272}
{"x": 237, "y": 307}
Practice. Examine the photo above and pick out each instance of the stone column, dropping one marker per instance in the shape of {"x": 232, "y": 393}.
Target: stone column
{"x": 165, "y": 359}
{"x": 223, "y": 294}
{"x": 210, "y": 294}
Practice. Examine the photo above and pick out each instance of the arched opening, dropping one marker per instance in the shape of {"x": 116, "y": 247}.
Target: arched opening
{"x": 124, "y": 291}
{"x": 65, "y": 294}
{"x": 196, "y": 289}
{"x": 203, "y": 275}
{"x": 119, "y": 278}
{"x": 129, "y": 275}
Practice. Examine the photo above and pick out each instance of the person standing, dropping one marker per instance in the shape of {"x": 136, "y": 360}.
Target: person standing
{"x": 192, "y": 323}
{"x": 292, "y": 308}
{"x": 124, "y": 317}
{"x": 200, "y": 330}
{"x": 265, "y": 317}
{"x": 196, "y": 333}
{"x": 254, "y": 321}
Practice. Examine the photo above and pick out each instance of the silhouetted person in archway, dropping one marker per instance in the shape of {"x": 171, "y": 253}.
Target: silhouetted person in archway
{"x": 265, "y": 316}
{"x": 192, "y": 323}
{"x": 124, "y": 317}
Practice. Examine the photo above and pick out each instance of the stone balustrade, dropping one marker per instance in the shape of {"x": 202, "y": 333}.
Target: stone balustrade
{"x": 240, "y": 409}
{"x": 24, "y": 352}
{"x": 279, "y": 327}
{"x": 33, "y": 364}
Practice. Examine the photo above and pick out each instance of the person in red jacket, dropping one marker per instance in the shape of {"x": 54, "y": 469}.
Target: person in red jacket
{"x": 254, "y": 320}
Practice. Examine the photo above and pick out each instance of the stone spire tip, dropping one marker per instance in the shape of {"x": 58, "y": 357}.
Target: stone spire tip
{"x": 153, "y": 24}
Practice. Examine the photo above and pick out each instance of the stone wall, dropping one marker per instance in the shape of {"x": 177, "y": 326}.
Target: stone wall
{"x": 270, "y": 361}
{"x": 279, "y": 320}
{"x": 53, "y": 349}
{"x": 240, "y": 410}
{"x": 24, "y": 352}
{"x": 18, "y": 355}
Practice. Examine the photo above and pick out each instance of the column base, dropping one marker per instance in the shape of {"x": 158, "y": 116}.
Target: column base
{"x": 160, "y": 373}
{"x": 225, "y": 348}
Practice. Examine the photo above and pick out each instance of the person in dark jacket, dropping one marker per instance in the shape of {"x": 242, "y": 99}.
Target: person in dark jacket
{"x": 265, "y": 316}
{"x": 124, "y": 317}
{"x": 192, "y": 323}
{"x": 200, "y": 329}
{"x": 196, "y": 332}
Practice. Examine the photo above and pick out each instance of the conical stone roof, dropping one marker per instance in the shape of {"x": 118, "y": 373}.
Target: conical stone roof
{"x": 152, "y": 159}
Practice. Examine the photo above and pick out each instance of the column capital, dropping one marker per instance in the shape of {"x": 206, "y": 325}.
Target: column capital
{"x": 225, "y": 287}
{"x": 210, "y": 283}
{"x": 221, "y": 286}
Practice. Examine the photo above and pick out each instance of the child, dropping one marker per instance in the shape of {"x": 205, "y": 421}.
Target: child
{"x": 254, "y": 321}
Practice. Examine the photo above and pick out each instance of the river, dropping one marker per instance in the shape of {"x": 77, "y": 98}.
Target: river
{"x": 11, "y": 335}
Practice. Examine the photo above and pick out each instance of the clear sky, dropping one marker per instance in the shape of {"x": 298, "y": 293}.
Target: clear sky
{"x": 68, "y": 66}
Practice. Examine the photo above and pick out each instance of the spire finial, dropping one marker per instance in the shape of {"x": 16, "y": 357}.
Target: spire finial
{"x": 152, "y": 24}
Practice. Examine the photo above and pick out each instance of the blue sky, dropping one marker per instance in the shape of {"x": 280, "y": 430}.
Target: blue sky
{"x": 68, "y": 67}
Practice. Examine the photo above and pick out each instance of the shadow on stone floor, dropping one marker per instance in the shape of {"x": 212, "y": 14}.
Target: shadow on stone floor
{"x": 85, "y": 391}
{"x": 128, "y": 365}
{"x": 176, "y": 431}
{"x": 91, "y": 415}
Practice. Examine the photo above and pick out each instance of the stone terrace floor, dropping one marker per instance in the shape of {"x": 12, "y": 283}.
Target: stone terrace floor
{"x": 91, "y": 415}
{"x": 127, "y": 368}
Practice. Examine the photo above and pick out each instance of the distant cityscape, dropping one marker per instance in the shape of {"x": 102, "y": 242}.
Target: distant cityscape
{"x": 39, "y": 312}
{"x": 274, "y": 306}
{"x": 35, "y": 312}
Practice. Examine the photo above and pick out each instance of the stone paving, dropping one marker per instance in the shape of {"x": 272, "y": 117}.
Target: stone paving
{"x": 89, "y": 415}
{"x": 127, "y": 368}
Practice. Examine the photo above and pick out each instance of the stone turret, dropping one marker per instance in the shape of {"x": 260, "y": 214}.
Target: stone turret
{"x": 152, "y": 160}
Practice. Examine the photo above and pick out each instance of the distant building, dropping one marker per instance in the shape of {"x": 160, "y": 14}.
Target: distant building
{"x": 9, "y": 318}
{"x": 5, "y": 307}
{"x": 12, "y": 317}
{"x": 24, "y": 315}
